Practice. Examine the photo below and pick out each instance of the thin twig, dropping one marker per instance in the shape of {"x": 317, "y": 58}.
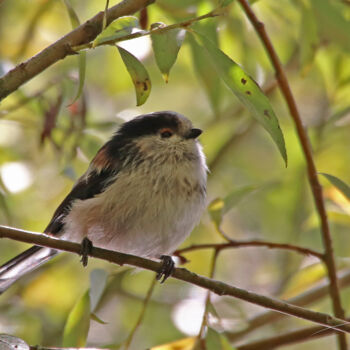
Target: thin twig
{"x": 141, "y": 315}
{"x": 182, "y": 274}
{"x": 311, "y": 168}
{"x": 156, "y": 30}
{"x": 252, "y": 243}
{"x": 204, "y": 325}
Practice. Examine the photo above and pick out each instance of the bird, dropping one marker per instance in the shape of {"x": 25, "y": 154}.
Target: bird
{"x": 142, "y": 194}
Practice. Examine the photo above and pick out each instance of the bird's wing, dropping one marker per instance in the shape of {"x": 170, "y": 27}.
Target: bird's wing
{"x": 95, "y": 181}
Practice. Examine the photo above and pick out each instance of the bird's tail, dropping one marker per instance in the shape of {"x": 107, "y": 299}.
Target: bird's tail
{"x": 23, "y": 263}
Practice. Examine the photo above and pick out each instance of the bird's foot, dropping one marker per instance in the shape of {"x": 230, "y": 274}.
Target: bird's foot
{"x": 166, "y": 269}
{"x": 86, "y": 248}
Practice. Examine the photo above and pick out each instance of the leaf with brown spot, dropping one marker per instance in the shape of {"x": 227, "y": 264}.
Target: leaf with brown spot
{"x": 138, "y": 74}
{"x": 246, "y": 90}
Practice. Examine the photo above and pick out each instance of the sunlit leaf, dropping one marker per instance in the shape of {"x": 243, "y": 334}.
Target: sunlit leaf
{"x": 304, "y": 279}
{"x": 247, "y": 91}
{"x": 182, "y": 344}
{"x": 219, "y": 207}
{"x": 98, "y": 280}
{"x": 115, "y": 30}
{"x": 215, "y": 209}
{"x": 339, "y": 184}
{"x": 166, "y": 47}
{"x": 204, "y": 66}
{"x": 9, "y": 342}
{"x": 78, "y": 323}
{"x": 138, "y": 74}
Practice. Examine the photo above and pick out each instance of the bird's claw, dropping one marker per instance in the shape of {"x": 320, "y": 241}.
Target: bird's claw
{"x": 85, "y": 251}
{"x": 166, "y": 269}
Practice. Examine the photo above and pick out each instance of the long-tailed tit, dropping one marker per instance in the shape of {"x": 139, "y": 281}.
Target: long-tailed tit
{"x": 142, "y": 194}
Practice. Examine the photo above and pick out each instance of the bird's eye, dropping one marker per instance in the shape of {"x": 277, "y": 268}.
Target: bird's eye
{"x": 166, "y": 133}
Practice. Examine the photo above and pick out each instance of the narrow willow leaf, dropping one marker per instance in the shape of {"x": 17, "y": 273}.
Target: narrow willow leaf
{"x": 233, "y": 198}
{"x": 98, "y": 280}
{"x": 215, "y": 209}
{"x": 221, "y": 206}
{"x": 309, "y": 40}
{"x": 138, "y": 74}
{"x": 97, "y": 319}
{"x": 115, "y": 30}
{"x": 339, "y": 184}
{"x": 82, "y": 55}
{"x": 332, "y": 21}
{"x": 72, "y": 14}
{"x": 247, "y": 91}
{"x": 78, "y": 323}
{"x": 166, "y": 47}
{"x": 203, "y": 65}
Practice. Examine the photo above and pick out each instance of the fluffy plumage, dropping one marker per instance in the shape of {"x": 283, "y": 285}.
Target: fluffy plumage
{"x": 142, "y": 194}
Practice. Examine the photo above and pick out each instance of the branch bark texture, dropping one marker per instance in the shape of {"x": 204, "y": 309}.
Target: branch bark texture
{"x": 182, "y": 274}
{"x": 63, "y": 47}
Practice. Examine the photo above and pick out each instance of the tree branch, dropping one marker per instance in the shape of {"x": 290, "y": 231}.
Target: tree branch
{"x": 63, "y": 47}
{"x": 252, "y": 243}
{"x": 182, "y": 274}
{"x": 311, "y": 168}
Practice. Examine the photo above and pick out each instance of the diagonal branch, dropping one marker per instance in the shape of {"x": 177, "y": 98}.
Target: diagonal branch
{"x": 63, "y": 47}
{"x": 214, "y": 286}
{"x": 311, "y": 168}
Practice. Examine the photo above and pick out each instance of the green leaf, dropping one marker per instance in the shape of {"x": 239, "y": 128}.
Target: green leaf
{"x": 82, "y": 55}
{"x": 309, "y": 40}
{"x": 72, "y": 14}
{"x": 215, "y": 209}
{"x": 82, "y": 71}
{"x": 98, "y": 280}
{"x": 97, "y": 319}
{"x": 247, "y": 91}
{"x": 138, "y": 74}
{"x": 339, "y": 184}
{"x": 203, "y": 65}
{"x": 115, "y": 30}
{"x": 219, "y": 207}
{"x": 216, "y": 341}
{"x": 78, "y": 323}
{"x": 332, "y": 23}
{"x": 166, "y": 47}
{"x": 224, "y": 3}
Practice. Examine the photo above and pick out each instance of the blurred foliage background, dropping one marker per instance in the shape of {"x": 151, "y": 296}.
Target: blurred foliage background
{"x": 46, "y": 142}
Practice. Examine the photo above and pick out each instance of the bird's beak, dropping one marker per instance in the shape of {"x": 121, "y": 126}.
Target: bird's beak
{"x": 194, "y": 133}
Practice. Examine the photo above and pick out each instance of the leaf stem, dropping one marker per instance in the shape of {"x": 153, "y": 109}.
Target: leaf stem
{"x": 156, "y": 30}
